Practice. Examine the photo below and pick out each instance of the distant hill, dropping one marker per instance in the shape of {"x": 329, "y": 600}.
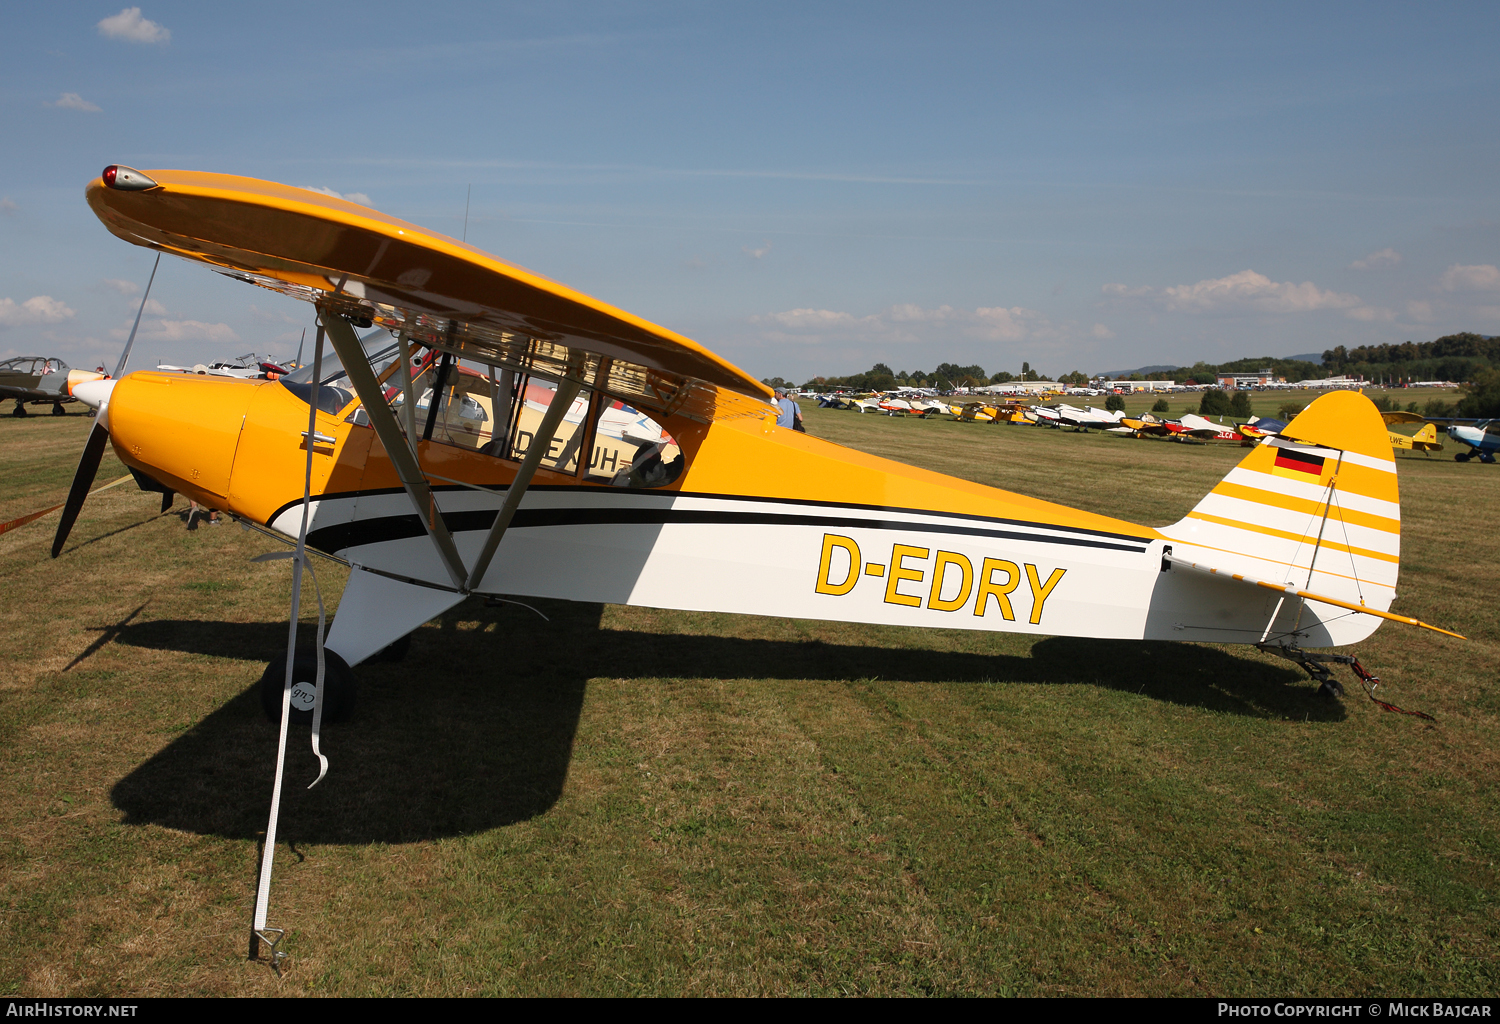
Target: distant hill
{"x": 1122, "y": 374}
{"x": 1316, "y": 358}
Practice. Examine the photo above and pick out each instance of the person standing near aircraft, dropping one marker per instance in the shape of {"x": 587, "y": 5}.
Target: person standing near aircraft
{"x": 791, "y": 412}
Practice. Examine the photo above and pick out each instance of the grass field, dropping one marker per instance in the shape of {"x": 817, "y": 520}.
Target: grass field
{"x": 630, "y": 801}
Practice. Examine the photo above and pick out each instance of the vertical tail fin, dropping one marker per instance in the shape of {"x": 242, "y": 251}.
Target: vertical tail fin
{"x": 1316, "y": 508}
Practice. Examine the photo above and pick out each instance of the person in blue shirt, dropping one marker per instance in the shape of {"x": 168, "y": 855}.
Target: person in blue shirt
{"x": 791, "y": 412}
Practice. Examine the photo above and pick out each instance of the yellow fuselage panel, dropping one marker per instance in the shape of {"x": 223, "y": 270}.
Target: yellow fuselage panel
{"x": 180, "y": 429}
{"x": 271, "y": 461}
{"x": 749, "y": 458}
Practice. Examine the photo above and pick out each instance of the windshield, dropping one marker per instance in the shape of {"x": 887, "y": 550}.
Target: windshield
{"x": 380, "y": 348}
{"x": 336, "y": 391}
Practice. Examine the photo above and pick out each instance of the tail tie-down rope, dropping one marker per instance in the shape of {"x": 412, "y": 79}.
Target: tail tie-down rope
{"x": 1316, "y": 665}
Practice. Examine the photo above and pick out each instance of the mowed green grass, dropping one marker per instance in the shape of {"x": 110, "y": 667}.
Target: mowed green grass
{"x": 631, "y": 801}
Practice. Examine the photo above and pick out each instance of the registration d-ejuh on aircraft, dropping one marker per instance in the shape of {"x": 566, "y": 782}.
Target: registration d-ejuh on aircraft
{"x": 495, "y": 432}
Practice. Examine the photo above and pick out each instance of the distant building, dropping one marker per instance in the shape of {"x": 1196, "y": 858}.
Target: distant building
{"x": 1245, "y": 381}
{"x": 1132, "y": 386}
{"x": 1333, "y": 382}
{"x": 1019, "y": 387}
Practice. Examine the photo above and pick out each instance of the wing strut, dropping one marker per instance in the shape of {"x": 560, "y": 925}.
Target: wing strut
{"x": 346, "y": 344}
{"x": 562, "y": 401}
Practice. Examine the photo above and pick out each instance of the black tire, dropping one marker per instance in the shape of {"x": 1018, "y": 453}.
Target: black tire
{"x": 58, "y": 410}
{"x": 338, "y": 687}
{"x": 20, "y": 409}
{"x": 1461, "y": 457}
{"x": 393, "y": 653}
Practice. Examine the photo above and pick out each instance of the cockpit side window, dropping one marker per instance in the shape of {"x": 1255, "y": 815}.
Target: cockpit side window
{"x": 532, "y": 399}
{"x": 631, "y": 449}
{"x": 498, "y": 412}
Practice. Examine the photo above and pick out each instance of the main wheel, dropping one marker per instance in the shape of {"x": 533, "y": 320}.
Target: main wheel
{"x": 20, "y": 409}
{"x": 393, "y": 652}
{"x": 58, "y": 410}
{"x": 1487, "y": 457}
{"x": 1461, "y": 457}
{"x": 338, "y": 687}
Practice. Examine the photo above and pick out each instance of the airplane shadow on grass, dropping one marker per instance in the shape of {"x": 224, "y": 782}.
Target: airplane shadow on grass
{"x": 475, "y": 729}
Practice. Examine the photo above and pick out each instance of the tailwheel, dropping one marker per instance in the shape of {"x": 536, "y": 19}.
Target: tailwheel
{"x": 338, "y": 687}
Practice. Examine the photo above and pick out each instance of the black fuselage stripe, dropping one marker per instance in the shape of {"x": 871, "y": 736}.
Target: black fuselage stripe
{"x": 400, "y": 527}
{"x": 704, "y": 495}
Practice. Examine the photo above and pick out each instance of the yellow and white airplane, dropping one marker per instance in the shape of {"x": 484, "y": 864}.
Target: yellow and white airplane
{"x": 1424, "y": 440}
{"x": 559, "y": 447}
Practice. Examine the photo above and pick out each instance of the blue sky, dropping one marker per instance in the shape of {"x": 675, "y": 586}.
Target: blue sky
{"x": 805, "y": 188}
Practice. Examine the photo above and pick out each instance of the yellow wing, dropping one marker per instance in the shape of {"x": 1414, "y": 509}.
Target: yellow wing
{"x": 442, "y": 292}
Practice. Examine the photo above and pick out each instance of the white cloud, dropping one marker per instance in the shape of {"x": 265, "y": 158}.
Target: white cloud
{"x": 6, "y": 205}
{"x": 275, "y": 317}
{"x": 154, "y": 308}
{"x": 1419, "y": 310}
{"x": 1102, "y": 333}
{"x": 1246, "y": 291}
{"x": 1371, "y": 313}
{"x": 1377, "y": 260}
{"x": 131, "y": 27}
{"x": 1479, "y": 278}
{"x": 756, "y": 253}
{"x": 39, "y": 309}
{"x": 352, "y": 197}
{"x": 73, "y": 101}
{"x": 123, "y": 287}
{"x": 908, "y": 322}
{"x": 180, "y": 330}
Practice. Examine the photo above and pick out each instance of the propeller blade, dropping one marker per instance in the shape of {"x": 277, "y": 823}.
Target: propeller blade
{"x": 83, "y": 479}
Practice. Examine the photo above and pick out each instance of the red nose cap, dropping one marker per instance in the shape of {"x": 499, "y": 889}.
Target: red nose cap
{"x": 126, "y": 179}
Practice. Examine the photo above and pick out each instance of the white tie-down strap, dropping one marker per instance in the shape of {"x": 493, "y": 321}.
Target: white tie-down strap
{"x": 258, "y": 930}
{"x": 317, "y": 722}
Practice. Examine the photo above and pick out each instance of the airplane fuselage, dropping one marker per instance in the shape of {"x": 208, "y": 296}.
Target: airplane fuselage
{"x": 764, "y": 521}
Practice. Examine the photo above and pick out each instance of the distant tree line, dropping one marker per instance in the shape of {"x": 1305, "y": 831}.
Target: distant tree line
{"x": 1455, "y": 357}
{"x": 1209, "y": 373}
{"x": 1468, "y": 358}
{"x": 944, "y": 377}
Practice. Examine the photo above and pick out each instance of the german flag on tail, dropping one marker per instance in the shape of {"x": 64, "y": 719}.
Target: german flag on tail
{"x": 1296, "y": 465}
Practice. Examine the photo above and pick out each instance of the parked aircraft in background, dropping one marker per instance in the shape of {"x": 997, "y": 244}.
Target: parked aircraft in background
{"x": 1082, "y": 419}
{"x": 1482, "y": 438}
{"x": 1423, "y": 440}
{"x": 1207, "y": 430}
{"x": 246, "y": 367}
{"x": 40, "y": 380}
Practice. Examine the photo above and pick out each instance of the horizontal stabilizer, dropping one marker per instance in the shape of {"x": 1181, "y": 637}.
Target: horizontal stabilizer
{"x": 1307, "y": 595}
